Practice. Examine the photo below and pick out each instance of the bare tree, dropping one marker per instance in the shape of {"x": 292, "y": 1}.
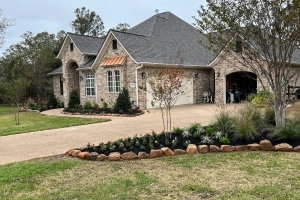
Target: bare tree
{"x": 166, "y": 87}
{"x": 260, "y": 35}
{"x": 4, "y": 24}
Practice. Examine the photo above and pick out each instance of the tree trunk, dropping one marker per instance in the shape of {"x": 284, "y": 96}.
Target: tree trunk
{"x": 279, "y": 108}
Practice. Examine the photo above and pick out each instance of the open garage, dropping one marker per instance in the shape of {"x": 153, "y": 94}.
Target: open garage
{"x": 240, "y": 85}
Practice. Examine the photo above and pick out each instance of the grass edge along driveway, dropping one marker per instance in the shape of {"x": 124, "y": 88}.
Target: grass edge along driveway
{"x": 34, "y": 121}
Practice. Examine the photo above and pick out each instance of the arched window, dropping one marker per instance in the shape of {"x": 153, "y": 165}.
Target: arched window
{"x": 117, "y": 81}
{"x": 110, "y": 81}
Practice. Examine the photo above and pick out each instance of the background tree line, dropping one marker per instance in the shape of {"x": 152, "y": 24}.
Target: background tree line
{"x": 24, "y": 66}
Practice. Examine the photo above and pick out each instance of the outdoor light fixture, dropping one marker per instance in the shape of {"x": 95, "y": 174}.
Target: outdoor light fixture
{"x": 260, "y": 71}
{"x": 196, "y": 75}
{"x": 80, "y": 78}
{"x": 217, "y": 74}
{"x": 63, "y": 79}
{"x": 143, "y": 74}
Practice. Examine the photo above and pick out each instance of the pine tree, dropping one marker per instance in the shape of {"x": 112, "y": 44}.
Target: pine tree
{"x": 52, "y": 101}
{"x": 73, "y": 100}
{"x": 123, "y": 101}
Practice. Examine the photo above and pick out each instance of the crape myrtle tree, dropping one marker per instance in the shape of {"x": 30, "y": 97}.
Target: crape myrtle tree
{"x": 267, "y": 31}
{"x": 166, "y": 87}
{"x": 87, "y": 23}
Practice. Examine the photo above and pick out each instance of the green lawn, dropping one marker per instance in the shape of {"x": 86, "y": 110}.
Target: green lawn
{"x": 33, "y": 121}
{"x": 238, "y": 175}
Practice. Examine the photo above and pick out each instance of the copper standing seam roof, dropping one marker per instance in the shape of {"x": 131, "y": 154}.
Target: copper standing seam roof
{"x": 113, "y": 61}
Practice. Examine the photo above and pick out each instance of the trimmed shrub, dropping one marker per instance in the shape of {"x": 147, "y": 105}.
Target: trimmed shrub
{"x": 74, "y": 100}
{"x": 52, "y": 101}
{"x": 87, "y": 105}
{"x": 262, "y": 99}
{"x": 123, "y": 101}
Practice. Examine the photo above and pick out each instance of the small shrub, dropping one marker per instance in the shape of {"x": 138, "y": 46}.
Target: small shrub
{"x": 186, "y": 143}
{"x": 167, "y": 142}
{"x": 196, "y": 134}
{"x": 74, "y": 100}
{"x": 186, "y": 132}
{"x": 52, "y": 101}
{"x": 200, "y": 130}
{"x": 210, "y": 130}
{"x": 250, "y": 97}
{"x": 32, "y": 106}
{"x": 175, "y": 142}
{"x": 218, "y": 135}
{"x": 262, "y": 98}
{"x": 194, "y": 127}
{"x": 104, "y": 105}
{"x": 87, "y": 105}
{"x": 224, "y": 140}
{"x": 60, "y": 103}
{"x": 123, "y": 101}
{"x": 205, "y": 139}
{"x": 177, "y": 130}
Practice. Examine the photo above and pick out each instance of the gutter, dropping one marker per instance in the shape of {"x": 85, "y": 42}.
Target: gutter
{"x": 136, "y": 84}
{"x": 175, "y": 65}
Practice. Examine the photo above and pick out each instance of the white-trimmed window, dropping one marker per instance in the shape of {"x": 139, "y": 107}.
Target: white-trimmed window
{"x": 117, "y": 81}
{"x": 89, "y": 84}
{"x": 113, "y": 81}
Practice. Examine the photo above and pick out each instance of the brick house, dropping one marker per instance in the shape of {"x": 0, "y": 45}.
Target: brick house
{"x": 98, "y": 68}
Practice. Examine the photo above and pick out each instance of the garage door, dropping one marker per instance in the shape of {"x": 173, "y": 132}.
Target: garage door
{"x": 186, "y": 98}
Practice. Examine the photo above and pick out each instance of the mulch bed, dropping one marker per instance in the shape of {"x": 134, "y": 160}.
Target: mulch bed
{"x": 158, "y": 141}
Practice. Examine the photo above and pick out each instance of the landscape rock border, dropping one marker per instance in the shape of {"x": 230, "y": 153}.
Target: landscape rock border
{"x": 104, "y": 114}
{"x": 264, "y": 145}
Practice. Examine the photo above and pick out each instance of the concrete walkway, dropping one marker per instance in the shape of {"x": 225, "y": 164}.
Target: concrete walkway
{"x": 31, "y": 145}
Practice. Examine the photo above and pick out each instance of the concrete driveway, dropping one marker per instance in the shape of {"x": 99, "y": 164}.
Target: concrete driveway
{"x": 31, "y": 145}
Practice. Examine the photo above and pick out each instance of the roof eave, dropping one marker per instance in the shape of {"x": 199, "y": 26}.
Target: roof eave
{"x": 179, "y": 65}
{"x": 53, "y": 74}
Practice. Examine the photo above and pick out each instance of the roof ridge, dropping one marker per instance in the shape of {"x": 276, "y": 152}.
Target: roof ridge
{"x": 84, "y": 35}
{"x": 128, "y": 33}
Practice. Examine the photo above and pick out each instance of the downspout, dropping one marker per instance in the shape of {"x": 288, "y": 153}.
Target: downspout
{"x": 96, "y": 85}
{"x": 137, "y": 85}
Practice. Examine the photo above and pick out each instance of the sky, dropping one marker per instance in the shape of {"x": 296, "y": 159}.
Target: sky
{"x": 55, "y": 15}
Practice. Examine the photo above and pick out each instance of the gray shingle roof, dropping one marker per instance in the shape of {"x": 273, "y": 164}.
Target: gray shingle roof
{"x": 57, "y": 71}
{"x": 86, "y": 65}
{"x": 160, "y": 38}
{"x": 87, "y": 44}
{"x": 296, "y": 56}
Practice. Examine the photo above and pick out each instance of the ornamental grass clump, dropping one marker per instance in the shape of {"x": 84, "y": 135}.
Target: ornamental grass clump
{"x": 248, "y": 123}
{"x": 290, "y": 131}
{"x": 223, "y": 119}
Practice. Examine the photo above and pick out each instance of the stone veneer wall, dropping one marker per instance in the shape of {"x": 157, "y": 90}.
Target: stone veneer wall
{"x": 225, "y": 68}
{"x": 56, "y": 87}
{"x": 68, "y": 60}
{"x": 127, "y": 76}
